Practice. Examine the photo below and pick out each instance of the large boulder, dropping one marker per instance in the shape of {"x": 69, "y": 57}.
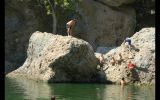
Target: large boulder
{"x": 56, "y": 58}
{"x": 103, "y": 25}
{"x": 142, "y": 54}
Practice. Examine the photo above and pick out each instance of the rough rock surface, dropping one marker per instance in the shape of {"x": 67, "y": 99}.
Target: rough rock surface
{"x": 142, "y": 54}
{"x": 105, "y": 26}
{"x": 21, "y": 19}
{"x": 56, "y": 58}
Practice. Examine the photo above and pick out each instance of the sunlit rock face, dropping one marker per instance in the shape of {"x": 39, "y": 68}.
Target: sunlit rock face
{"x": 56, "y": 58}
{"x": 142, "y": 55}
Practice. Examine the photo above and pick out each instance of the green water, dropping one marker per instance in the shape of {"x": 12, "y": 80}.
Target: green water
{"x": 23, "y": 89}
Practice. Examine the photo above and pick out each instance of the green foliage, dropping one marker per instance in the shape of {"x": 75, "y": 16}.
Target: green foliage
{"x": 65, "y": 4}
{"x": 48, "y": 7}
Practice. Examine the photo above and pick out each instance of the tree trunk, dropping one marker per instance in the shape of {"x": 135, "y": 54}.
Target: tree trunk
{"x": 54, "y": 22}
{"x": 53, "y": 18}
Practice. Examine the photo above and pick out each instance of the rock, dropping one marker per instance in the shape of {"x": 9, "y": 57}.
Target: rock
{"x": 21, "y": 19}
{"x": 103, "y": 50}
{"x": 102, "y": 23}
{"x": 56, "y": 58}
{"x": 145, "y": 13}
{"x": 142, "y": 54}
{"x": 105, "y": 26}
{"x": 115, "y": 3}
{"x": 9, "y": 66}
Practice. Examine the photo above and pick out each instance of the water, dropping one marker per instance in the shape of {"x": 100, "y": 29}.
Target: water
{"x": 23, "y": 89}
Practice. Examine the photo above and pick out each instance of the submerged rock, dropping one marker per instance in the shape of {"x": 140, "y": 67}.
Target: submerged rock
{"x": 56, "y": 58}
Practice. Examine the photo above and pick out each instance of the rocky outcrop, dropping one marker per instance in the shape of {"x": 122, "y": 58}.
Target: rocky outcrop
{"x": 142, "y": 54}
{"x": 103, "y": 25}
{"x": 56, "y": 58}
{"x": 22, "y": 17}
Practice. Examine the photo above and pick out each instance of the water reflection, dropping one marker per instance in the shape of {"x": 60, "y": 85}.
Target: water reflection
{"x": 26, "y": 89}
{"x": 129, "y": 92}
{"x": 23, "y": 89}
